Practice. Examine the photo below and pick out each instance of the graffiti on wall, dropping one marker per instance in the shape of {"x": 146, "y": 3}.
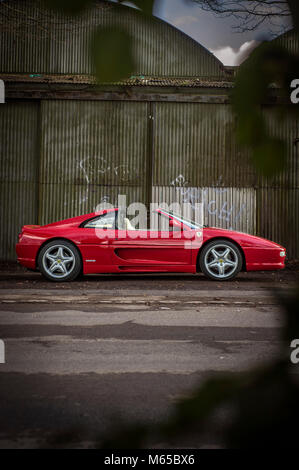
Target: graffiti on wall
{"x": 91, "y": 169}
{"x": 94, "y": 168}
{"x": 215, "y": 199}
{"x": 220, "y": 203}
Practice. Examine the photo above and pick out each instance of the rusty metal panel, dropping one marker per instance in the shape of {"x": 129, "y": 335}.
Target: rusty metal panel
{"x": 162, "y": 50}
{"x": 278, "y": 197}
{"x": 195, "y": 146}
{"x": 289, "y": 40}
{"x": 90, "y": 151}
{"x": 230, "y": 208}
{"x": 36, "y": 41}
{"x": 278, "y": 218}
{"x": 61, "y": 201}
{"x": 18, "y": 172}
{"x": 283, "y": 125}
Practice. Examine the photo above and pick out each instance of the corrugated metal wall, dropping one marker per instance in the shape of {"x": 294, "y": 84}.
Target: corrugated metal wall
{"x": 278, "y": 197}
{"x": 197, "y": 160}
{"x": 231, "y": 208}
{"x": 278, "y": 217}
{"x": 33, "y": 40}
{"x": 90, "y": 152}
{"x": 18, "y": 172}
{"x": 289, "y": 40}
{"x": 197, "y": 141}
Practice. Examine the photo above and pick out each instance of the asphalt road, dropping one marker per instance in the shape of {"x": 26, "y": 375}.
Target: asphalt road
{"x": 83, "y": 357}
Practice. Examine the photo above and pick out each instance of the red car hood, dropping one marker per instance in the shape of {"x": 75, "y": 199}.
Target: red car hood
{"x": 244, "y": 239}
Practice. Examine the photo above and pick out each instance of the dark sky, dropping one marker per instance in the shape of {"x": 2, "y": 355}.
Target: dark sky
{"x": 215, "y": 33}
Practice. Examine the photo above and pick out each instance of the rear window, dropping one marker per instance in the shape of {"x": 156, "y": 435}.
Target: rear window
{"x": 104, "y": 221}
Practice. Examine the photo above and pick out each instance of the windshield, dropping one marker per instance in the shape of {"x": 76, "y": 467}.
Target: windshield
{"x": 190, "y": 223}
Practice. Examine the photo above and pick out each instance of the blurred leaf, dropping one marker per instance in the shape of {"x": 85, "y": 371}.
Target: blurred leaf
{"x": 265, "y": 411}
{"x": 293, "y": 5}
{"x": 112, "y": 54}
{"x": 252, "y": 128}
{"x": 195, "y": 411}
{"x": 269, "y": 64}
{"x": 68, "y": 6}
{"x": 125, "y": 437}
{"x": 270, "y": 157}
{"x": 290, "y": 304}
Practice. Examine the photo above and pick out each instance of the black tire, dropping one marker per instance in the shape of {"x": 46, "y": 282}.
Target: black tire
{"x": 219, "y": 268}
{"x": 67, "y": 259}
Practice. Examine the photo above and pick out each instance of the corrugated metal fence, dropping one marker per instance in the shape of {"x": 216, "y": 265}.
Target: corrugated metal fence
{"x": 90, "y": 152}
{"x": 19, "y": 159}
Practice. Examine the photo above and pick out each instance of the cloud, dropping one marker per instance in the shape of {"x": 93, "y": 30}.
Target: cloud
{"x": 230, "y": 56}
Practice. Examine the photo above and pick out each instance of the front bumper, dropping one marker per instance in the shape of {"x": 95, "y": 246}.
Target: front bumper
{"x": 265, "y": 259}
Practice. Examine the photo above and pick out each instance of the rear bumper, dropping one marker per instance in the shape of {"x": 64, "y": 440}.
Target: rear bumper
{"x": 27, "y": 255}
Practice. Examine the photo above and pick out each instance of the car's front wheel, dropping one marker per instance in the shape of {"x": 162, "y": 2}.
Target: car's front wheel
{"x": 59, "y": 261}
{"x": 220, "y": 260}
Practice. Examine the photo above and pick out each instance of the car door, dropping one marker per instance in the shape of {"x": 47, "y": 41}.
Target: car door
{"x": 152, "y": 250}
{"x": 95, "y": 242}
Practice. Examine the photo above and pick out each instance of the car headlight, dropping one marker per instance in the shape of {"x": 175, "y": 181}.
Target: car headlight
{"x": 282, "y": 253}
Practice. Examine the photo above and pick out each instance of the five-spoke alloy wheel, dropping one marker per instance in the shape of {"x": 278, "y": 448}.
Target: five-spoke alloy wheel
{"x": 59, "y": 260}
{"x": 220, "y": 260}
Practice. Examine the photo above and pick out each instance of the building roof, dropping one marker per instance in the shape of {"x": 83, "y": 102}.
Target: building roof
{"x": 36, "y": 41}
{"x": 191, "y": 82}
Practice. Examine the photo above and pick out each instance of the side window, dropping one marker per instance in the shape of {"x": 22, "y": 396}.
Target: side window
{"x": 105, "y": 221}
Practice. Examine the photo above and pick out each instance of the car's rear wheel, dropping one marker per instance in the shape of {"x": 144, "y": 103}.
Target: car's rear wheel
{"x": 59, "y": 261}
{"x": 220, "y": 260}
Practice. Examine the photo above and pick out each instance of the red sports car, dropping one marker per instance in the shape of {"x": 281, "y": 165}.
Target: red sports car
{"x": 106, "y": 243}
